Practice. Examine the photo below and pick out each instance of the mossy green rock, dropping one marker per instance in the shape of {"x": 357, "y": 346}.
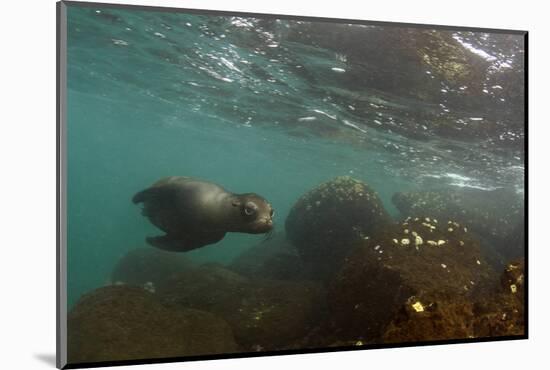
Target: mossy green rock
{"x": 325, "y": 222}
{"x": 147, "y": 264}
{"x": 418, "y": 260}
{"x": 263, "y": 314}
{"x": 275, "y": 258}
{"x": 128, "y": 323}
{"x": 504, "y": 313}
{"x": 496, "y": 216}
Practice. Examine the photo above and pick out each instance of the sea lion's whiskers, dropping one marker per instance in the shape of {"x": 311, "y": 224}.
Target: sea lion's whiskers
{"x": 268, "y": 235}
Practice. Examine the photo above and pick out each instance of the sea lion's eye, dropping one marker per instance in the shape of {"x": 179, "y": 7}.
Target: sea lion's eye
{"x": 250, "y": 209}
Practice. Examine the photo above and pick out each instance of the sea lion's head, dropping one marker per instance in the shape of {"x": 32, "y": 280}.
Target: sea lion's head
{"x": 255, "y": 214}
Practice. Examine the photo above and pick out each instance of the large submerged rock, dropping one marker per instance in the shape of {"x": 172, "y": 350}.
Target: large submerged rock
{"x": 445, "y": 319}
{"x": 496, "y": 216}
{"x": 275, "y": 259}
{"x": 128, "y": 323}
{"x": 499, "y": 312}
{"x": 264, "y": 314}
{"x": 418, "y": 266}
{"x": 148, "y": 265}
{"x": 325, "y": 222}
{"x": 503, "y": 313}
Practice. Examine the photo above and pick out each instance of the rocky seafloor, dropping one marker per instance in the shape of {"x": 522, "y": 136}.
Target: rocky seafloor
{"x": 343, "y": 274}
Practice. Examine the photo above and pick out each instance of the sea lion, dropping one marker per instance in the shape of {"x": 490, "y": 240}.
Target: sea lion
{"x": 194, "y": 213}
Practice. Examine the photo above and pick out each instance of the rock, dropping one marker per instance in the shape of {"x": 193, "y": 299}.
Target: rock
{"x": 325, "y": 222}
{"x": 274, "y": 259}
{"x": 441, "y": 263}
{"x": 442, "y": 319}
{"x": 128, "y": 323}
{"x": 148, "y": 265}
{"x": 503, "y": 312}
{"x": 496, "y": 216}
{"x": 264, "y": 314}
{"x": 512, "y": 280}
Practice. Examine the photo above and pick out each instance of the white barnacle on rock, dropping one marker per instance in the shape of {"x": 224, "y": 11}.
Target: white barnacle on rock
{"x": 418, "y": 240}
{"x": 450, "y": 229}
{"x": 432, "y": 243}
{"x": 444, "y": 265}
{"x": 440, "y": 242}
{"x": 418, "y": 306}
{"x": 513, "y": 288}
{"x": 396, "y": 241}
{"x": 149, "y": 286}
{"x": 465, "y": 230}
{"x": 406, "y": 231}
{"x": 461, "y": 243}
{"x": 478, "y": 262}
{"x": 377, "y": 247}
{"x": 405, "y": 241}
{"x": 414, "y": 233}
{"x": 427, "y": 219}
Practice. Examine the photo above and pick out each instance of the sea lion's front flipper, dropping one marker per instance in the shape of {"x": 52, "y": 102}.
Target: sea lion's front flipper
{"x": 178, "y": 243}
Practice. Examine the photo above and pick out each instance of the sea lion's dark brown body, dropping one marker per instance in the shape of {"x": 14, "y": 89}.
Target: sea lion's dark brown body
{"x": 194, "y": 213}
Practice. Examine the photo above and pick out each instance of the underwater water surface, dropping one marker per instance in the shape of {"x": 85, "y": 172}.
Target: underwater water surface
{"x": 275, "y": 107}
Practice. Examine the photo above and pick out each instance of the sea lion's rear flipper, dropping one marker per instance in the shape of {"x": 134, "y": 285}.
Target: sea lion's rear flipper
{"x": 156, "y": 201}
{"x": 178, "y": 243}
{"x": 163, "y": 189}
{"x": 153, "y": 193}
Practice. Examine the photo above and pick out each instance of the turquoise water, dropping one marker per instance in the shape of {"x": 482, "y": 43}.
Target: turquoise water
{"x": 268, "y": 107}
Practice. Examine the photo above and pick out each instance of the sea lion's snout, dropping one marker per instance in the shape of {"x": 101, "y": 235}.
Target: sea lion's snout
{"x": 263, "y": 223}
{"x": 267, "y": 223}
{"x": 257, "y": 211}
{"x": 261, "y": 227}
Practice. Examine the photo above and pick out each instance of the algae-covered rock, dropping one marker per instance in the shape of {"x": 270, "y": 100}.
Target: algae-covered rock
{"x": 503, "y": 312}
{"x": 443, "y": 319}
{"x": 148, "y": 265}
{"x": 325, "y": 221}
{"x": 424, "y": 260}
{"x": 496, "y": 216}
{"x": 264, "y": 314}
{"x": 275, "y": 259}
{"x": 128, "y": 323}
{"x": 498, "y": 312}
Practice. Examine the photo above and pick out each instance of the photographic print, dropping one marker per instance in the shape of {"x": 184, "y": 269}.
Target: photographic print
{"x": 236, "y": 185}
